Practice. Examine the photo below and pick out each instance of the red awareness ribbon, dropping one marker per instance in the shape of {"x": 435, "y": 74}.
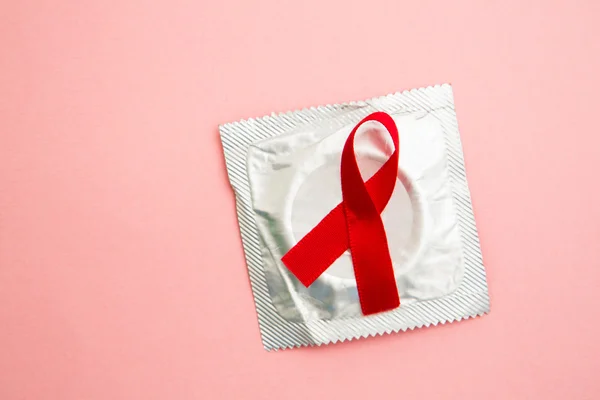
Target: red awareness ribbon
{"x": 355, "y": 223}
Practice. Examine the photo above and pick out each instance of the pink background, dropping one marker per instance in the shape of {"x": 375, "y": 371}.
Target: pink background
{"x": 121, "y": 269}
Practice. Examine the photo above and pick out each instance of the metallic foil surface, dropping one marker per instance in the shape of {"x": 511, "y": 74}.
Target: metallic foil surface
{"x": 285, "y": 171}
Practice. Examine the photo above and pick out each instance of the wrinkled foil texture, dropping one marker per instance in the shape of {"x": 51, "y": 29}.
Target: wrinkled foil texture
{"x": 285, "y": 172}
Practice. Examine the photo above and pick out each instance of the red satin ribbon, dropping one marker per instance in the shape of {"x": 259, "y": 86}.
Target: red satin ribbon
{"x": 355, "y": 223}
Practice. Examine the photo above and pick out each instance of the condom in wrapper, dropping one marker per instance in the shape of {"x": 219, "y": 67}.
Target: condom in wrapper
{"x": 286, "y": 171}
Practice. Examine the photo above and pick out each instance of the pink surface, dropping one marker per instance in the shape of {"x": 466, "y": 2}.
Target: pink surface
{"x": 121, "y": 268}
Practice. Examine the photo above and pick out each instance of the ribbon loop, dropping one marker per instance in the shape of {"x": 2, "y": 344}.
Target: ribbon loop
{"x": 356, "y": 224}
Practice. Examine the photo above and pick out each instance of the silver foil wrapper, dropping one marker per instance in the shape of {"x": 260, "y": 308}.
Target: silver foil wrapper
{"x": 285, "y": 172}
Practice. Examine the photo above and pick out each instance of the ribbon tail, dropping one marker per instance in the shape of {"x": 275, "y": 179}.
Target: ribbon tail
{"x": 316, "y": 251}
